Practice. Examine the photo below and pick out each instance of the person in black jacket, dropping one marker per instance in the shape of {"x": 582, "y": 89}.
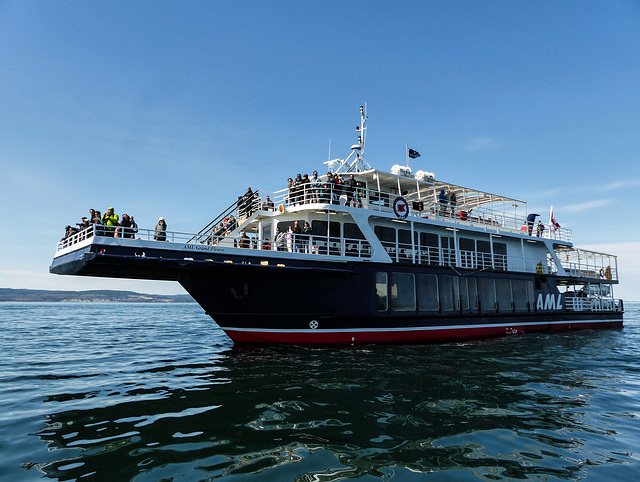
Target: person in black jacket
{"x": 306, "y": 237}
{"x": 297, "y": 237}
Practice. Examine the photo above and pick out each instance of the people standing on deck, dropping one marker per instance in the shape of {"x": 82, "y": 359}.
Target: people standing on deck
{"x": 443, "y": 201}
{"x": 245, "y": 203}
{"x": 452, "y": 202}
{"x": 289, "y": 199}
{"x": 329, "y": 187}
{"x": 360, "y": 192}
{"x": 297, "y": 233}
{"x": 339, "y": 187}
{"x": 160, "y": 233}
{"x": 539, "y": 229}
{"x": 297, "y": 189}
{"x": 305, "y": 189}
{"x": 133, "y": 229}
{"x": 97, "y": 223}
{"x": 110, "y": 220}
{"x": 126, "y": 226}
{"x": 306, "y": 237}
{"x": 278, "y": 239}
{"x": 351, "y": 185}
{"x": 84, "y": 225}
{"x": 243, "y": 239}
{"x": 289, "y": 238}
{"x": 267, "y": 205}
{"x": 315, "y": 187}
{"x": 248, "y": 201}
{"x": 69, "y": 231}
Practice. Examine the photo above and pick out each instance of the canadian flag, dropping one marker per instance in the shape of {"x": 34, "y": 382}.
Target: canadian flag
{"x": 553, "y": 222}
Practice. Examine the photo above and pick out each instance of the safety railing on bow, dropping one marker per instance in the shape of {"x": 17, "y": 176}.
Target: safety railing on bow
{"x": 302, "y": 244}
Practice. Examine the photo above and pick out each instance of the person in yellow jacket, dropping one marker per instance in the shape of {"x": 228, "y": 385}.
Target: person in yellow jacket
{"x": 110, "y": 220}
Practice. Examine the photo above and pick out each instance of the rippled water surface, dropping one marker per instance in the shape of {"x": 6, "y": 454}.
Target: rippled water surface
{"x": 151, "y": 392}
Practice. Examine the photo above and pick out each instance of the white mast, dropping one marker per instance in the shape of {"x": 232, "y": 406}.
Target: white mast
{"x": 358, "y": 163}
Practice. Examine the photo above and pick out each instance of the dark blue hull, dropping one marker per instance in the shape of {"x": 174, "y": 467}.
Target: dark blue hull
{"x": 284, "y": 300}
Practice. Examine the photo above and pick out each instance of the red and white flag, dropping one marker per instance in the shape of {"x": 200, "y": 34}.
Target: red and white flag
{"x": 553, "y": 222}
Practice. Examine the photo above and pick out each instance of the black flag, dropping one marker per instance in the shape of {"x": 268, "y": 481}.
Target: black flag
{"x": 413, "y": 154}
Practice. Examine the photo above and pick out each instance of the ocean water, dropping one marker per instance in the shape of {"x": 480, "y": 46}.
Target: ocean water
{"x": 156, "y": 392}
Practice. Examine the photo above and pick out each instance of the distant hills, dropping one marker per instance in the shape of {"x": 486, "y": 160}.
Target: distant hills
{"x": 92, "y": 296}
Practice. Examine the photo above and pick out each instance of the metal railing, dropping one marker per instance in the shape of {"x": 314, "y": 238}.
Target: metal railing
{"x": 303, "y": 244}
{"x": 593, "y": 304}
{"x": 583, "y": 263}
{"x": 382, "y": 201}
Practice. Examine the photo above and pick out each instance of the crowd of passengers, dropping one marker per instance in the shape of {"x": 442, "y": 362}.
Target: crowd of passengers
{"x": 297, "y": 239}
{"x": 224, "y": 227}
{"x": 305, "y": 189}
{"x": 110, "y": 224}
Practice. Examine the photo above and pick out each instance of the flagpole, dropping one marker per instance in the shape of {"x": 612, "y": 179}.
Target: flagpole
{"x": 406, "y": 154}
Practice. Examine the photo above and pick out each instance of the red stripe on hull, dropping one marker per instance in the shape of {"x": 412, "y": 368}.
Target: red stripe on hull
{"x": 320, "y": 337}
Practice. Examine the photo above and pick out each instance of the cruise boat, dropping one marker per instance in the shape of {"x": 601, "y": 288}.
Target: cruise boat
{"x": 386, "y": 257}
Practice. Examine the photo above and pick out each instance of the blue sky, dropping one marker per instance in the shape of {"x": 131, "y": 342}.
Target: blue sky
{"x": 173, "y": 108}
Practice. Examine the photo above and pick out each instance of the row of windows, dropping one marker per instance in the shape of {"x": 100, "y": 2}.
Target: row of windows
{"x": 388, "y": 234}
{"x": 448, "y": 293}
{"x": 433, "y": 249}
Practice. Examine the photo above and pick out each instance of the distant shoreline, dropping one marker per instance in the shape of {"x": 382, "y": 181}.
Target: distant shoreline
{"x": 90, "y": 296}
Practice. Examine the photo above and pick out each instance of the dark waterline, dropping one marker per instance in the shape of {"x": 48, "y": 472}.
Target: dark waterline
{"x": 158, "y": 392}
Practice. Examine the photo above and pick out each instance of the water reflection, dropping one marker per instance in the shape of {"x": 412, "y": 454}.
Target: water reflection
{"x": 519, "y": 407}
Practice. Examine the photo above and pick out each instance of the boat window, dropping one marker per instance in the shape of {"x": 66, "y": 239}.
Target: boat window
{"x": 503, "y": 294}
{"x": 530, "y": 294}
{"x": 405, "y": 244}
{"x": 487, "y": 294}
{"x": 284, "y": 225}
{"x": 429, "y": 239}
{"x": 446, "y": 292}
{"x": 500, "y": 256}
{"x": 484, "y": 254}
{"x": 455, "y": 293}
{"x": 387, "y": 237}
{"x": 381, "y": 291}
{"x": 404, "y": 236}
{"x": 473, "y": 293}
{"x": 467, "y": 244}
{"x": 519, "y": 290}
{"x": 403, "y": 292}
{"x": 484, "y": 247}
{"x": 448, "y": 250}
{"x": 385, "y": 233}
{"x": 500, "y": 248}
{"x": 429, "y": 252}
{"x": 467, "y": 253}
{"x": 428, "y": 292}
{"x": 464, "y": 293}
{"x": 352, "y": 231}
{"x": 318, "y": 228}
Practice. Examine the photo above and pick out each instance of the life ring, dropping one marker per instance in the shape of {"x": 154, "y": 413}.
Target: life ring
{"x": 539, "y": 268}
{"x": 601, "y": 272}
{"x": 281, "y": 208}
